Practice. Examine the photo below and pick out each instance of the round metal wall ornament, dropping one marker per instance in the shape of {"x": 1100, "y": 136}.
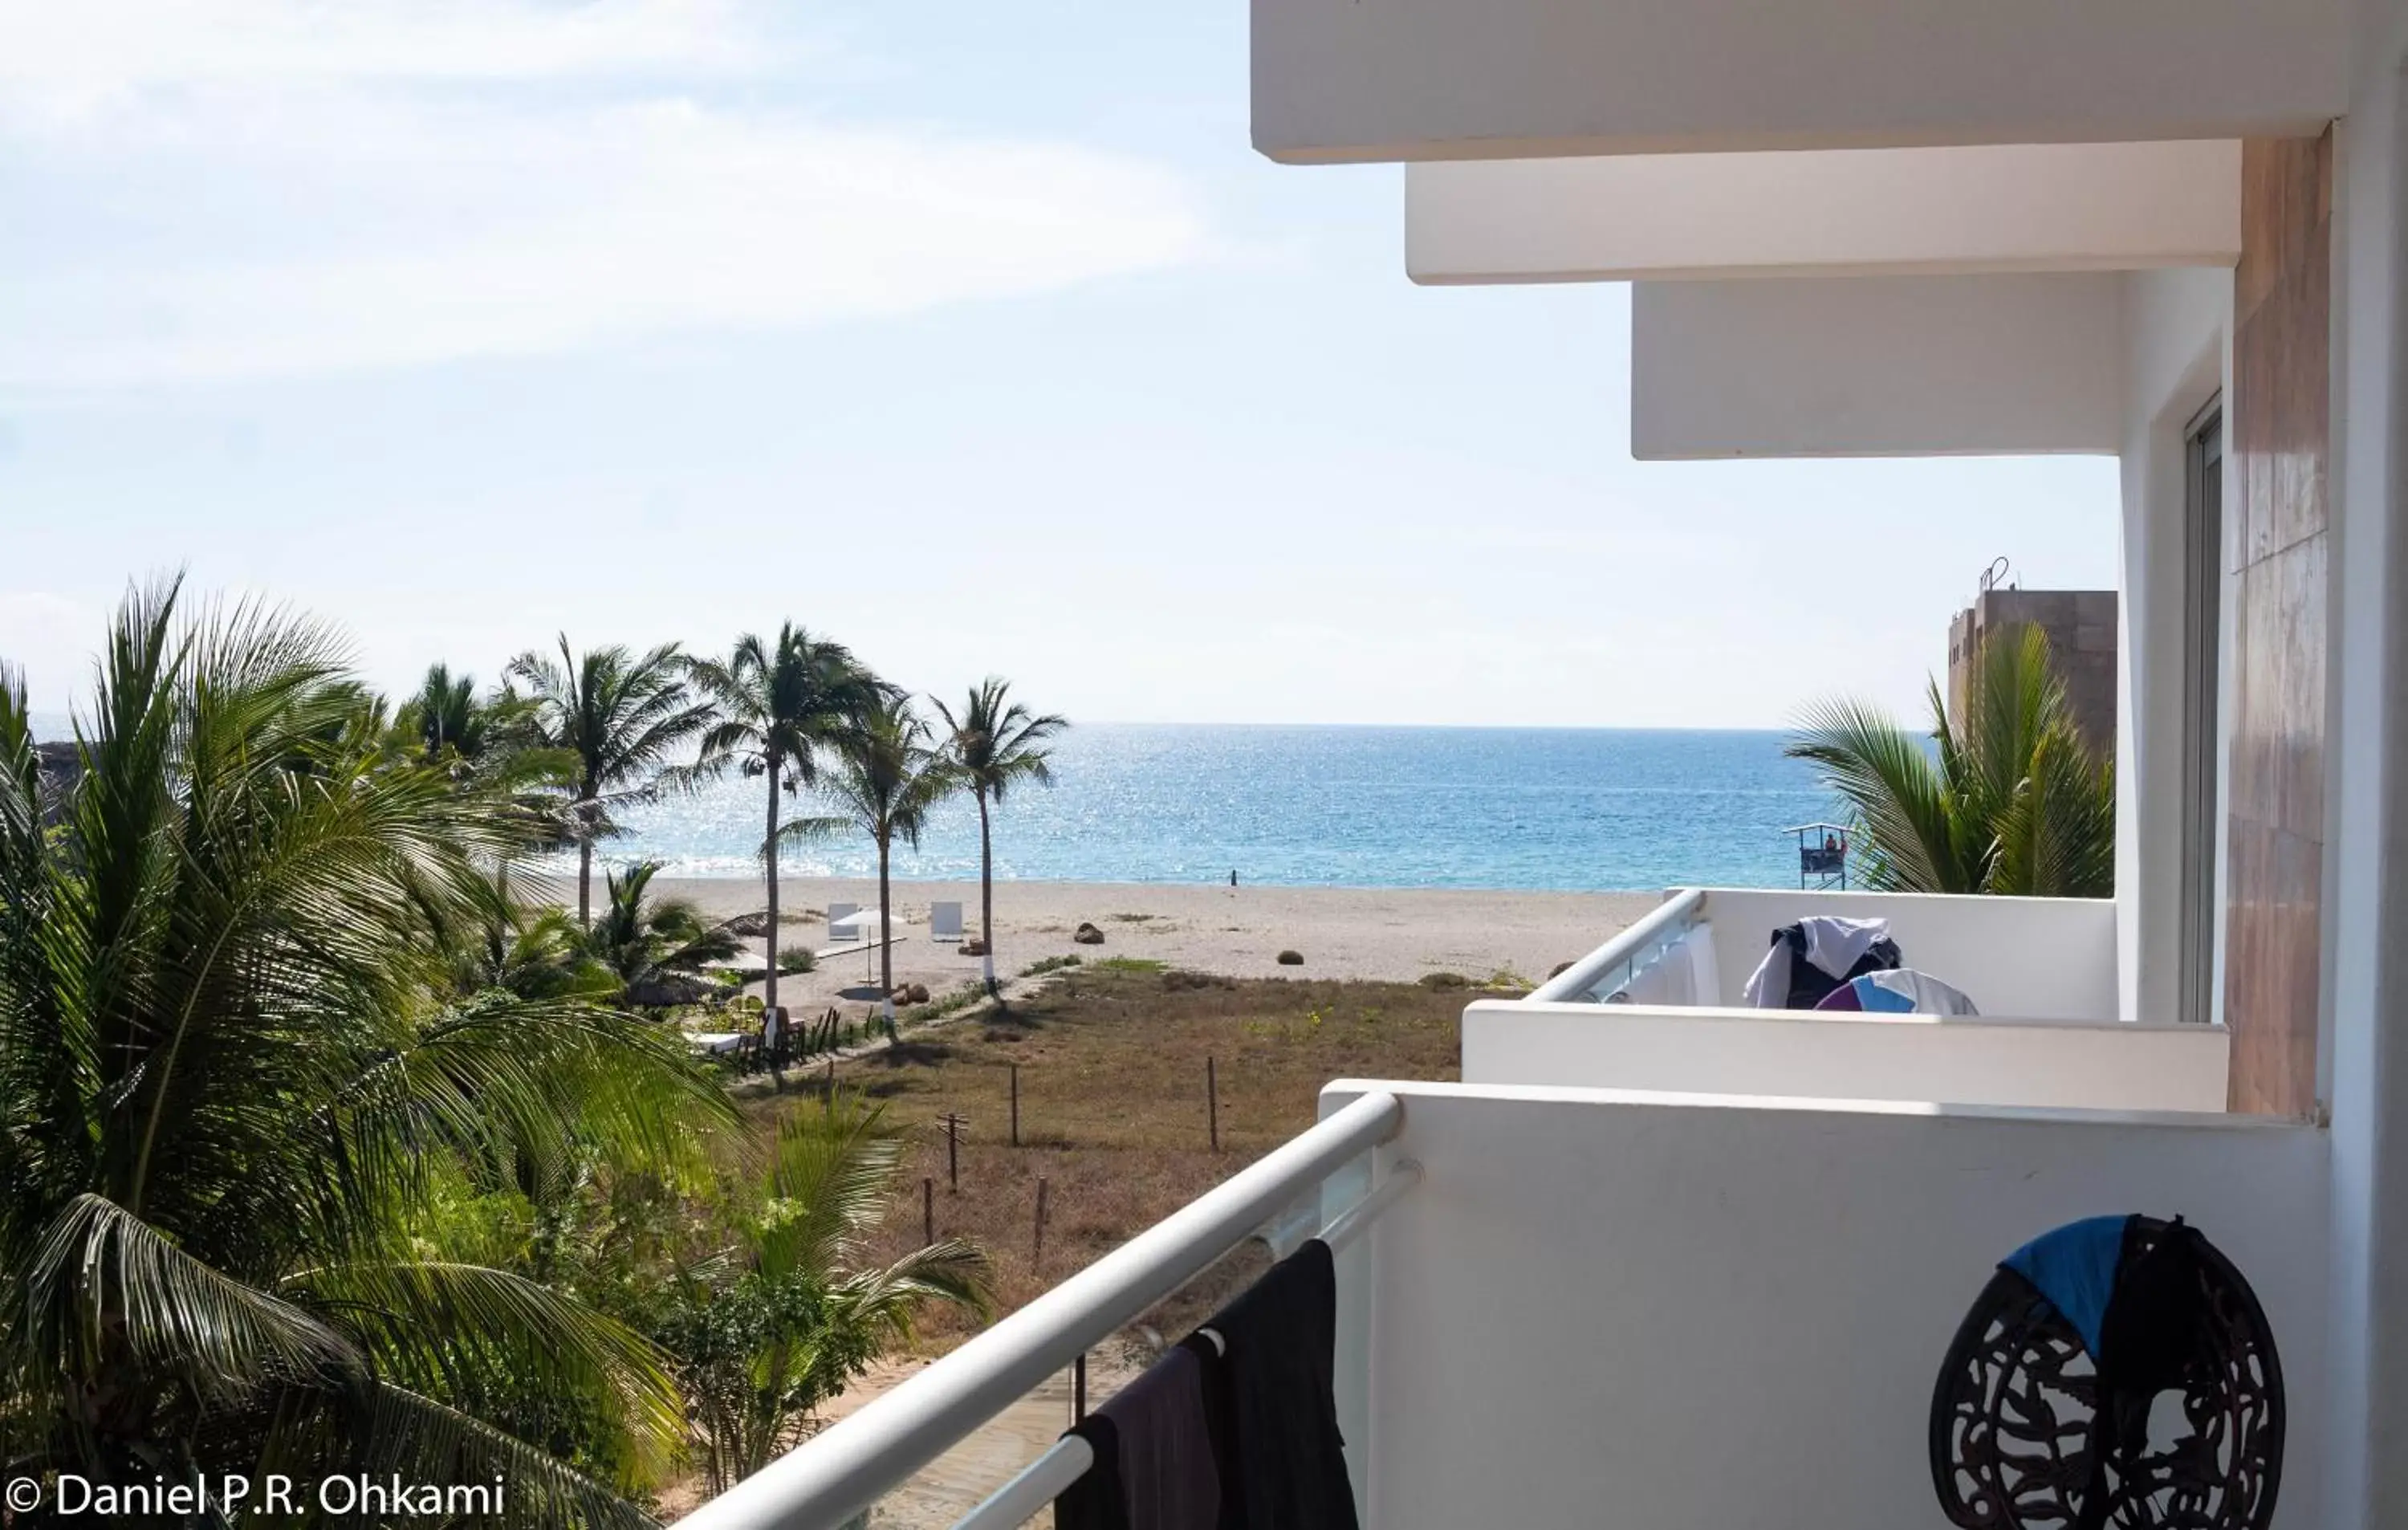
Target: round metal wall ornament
{"x": 2116, "y": 1372}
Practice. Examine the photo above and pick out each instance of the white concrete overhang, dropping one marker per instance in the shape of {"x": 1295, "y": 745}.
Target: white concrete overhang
{"x": 2015, "y": 208}
{"x": 1359, "y": 80}
{"x": 1877, "y": 367}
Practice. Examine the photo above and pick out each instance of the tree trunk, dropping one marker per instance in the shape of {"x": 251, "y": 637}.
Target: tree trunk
{"x": 885, "y": 940}
{"x": 986, "y": 891}
{"x": 769, "y": 850}
{"x": 585, "y": 884}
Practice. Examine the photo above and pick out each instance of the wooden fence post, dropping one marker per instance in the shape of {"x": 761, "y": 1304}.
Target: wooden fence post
{"x": 1015, "y": 1105}
{"x": 927, "y": 1212}
{"x": 1037, "y": 1252}
{"x": 954, "y": 1122}
{"x": 1212, "y": 1099}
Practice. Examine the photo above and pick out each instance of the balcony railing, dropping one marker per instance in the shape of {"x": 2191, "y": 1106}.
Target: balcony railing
{"x": 1661, "y": 1005}
{"x": 2050, "y": 959}
{"x": 845, "y": 1469}
{"x": 1610, "y": 966}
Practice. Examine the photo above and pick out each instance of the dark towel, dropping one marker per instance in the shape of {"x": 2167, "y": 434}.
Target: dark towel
{"x": 1163, "y": 1475}
{"x": 1096, "y": 1501}
{"x": 1809, "y": 985}
{"x": 1283, "y": 1461}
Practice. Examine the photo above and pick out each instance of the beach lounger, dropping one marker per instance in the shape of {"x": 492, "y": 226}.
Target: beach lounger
{"x": 944, "y": 922}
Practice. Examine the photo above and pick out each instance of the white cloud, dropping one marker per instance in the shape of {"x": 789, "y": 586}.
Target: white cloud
{"x": 315, "y": 190}
{"x": 84, "y": 55}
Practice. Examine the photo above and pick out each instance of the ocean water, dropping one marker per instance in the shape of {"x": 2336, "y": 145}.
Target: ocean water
{"x": 1570, "y": 810}
{"x": 1557, "y": 808}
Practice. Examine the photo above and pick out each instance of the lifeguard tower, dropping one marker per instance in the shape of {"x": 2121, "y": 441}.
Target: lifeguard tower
{"x": 1822, "y": 856}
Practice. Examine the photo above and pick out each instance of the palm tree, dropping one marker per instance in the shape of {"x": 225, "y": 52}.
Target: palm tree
{"x": 2009, "y": 800}
{"x": 533, "y": 952}
{"x": 995, "y": 743}
{"x": 779, "y": 706}
{"x": 772, "y": 1328}
{"x": 886, "y": 779}
{"x": 655, "y": 946}
{"x": 232, "y": 1079}
{"x": 620, "y": 715}
{"x": 445, "y": 714}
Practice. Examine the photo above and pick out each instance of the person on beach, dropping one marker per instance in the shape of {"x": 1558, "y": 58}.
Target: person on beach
{"x": 1233, "y": 876}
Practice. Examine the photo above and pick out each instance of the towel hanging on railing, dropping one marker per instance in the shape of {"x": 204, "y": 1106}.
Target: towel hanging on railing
{"x": 1045, "y": 1479}
{"x": 1156, "y": 1468}
{"x": 1268, "y": 1409}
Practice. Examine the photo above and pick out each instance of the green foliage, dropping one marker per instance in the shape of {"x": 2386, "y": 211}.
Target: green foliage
{"x": 647, "y": 942}
{"x": 1051, "y": 964}
{"x": 616, "y": 717}
{"x": 886, "y": 783}
{"x": 776, "y": 707}
{"x": 2009, "y": 801}
{"x": 773, "y": 1325}
{"x": 1130, "y": 963}
{"x": 796, "y": 959}
{"x": 994, "y": 744}
{"x": 240, "y": 1092}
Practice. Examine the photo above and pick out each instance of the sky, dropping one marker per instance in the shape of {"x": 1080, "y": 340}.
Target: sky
{"x": 975, "y": 336}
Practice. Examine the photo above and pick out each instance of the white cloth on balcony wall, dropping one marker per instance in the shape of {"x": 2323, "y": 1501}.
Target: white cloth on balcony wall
{"x": 1667, "y": 980}
{"x": 1832, "y": 944}
{"x": 1835, "y": 945}
{"x": 1705, "y": 975}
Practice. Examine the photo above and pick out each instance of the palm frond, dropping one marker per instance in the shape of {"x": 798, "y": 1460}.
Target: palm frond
{"x": 103, "y": 1286}
{"x": 2004, "y": 798}
{"x": 416, "y": 1439}
{"x": 473, "y": 1331}
{"x": 1887, "y": 779}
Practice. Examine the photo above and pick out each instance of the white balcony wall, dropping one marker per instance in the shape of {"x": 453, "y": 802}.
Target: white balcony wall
{"x": 2065, "y": 1064}
{"x": 2015, "y": 208}
{"x": 1889, "y": 367}
{"x": 1669, "y": 1310}
{"x": 2017, "y": 958}
{"x": 1337, "y": 80}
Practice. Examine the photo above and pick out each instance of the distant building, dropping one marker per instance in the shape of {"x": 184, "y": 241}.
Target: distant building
{"x": 2080, "y": 628}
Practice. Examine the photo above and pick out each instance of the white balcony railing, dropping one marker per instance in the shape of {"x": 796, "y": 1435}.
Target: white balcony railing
{"x": 2041, "y": 970}
{"x": 1694, "y": 1309}
{"x": 843, "y": 1471}
{"x": 2020, "y": 958}
{"x": 1609, "y": 969}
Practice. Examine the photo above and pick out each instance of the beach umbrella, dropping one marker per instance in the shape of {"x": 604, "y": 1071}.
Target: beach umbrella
{"x": 865, "y": 925}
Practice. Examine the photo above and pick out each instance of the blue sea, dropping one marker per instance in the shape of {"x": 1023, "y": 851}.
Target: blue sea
{"x": 1558, "y": 808}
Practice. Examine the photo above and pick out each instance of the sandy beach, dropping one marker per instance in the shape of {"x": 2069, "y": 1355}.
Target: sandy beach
{"x": 1381, "y": 932}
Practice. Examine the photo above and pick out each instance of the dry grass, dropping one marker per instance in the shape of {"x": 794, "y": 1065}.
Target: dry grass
{"x": 1113, "y": 1112}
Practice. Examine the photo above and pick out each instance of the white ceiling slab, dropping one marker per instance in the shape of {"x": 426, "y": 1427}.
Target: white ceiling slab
{"x": 1877, "y": 367}
{"x": 1359, "y": 80}
{"x": 1863, "y": 211}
